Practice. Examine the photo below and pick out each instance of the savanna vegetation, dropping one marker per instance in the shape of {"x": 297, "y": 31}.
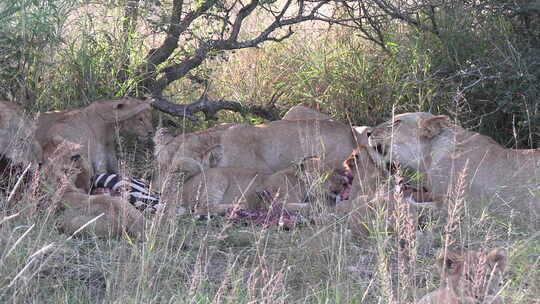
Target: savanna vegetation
{"x": 358, "y": 61}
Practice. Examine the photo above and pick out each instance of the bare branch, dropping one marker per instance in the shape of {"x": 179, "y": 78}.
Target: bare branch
{"x": 177, "y": 71}
{"x": 396, "y": 13}
{"x": 176, "y": 27}
{"x": 211, "y": 107}
{"x": 244, "y": 12}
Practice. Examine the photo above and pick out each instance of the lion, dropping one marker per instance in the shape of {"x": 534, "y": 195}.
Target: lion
{"x": 359, "y": 172}
{"x": 17, "y": 136}
{"x": 267, "y": 147}
{"x": 370, "y": 190}
{"x": 470, "y": 277}
{"x": 365, "y": 186}
{"x": 302, "y": 112}
{"x": 217, "y": 190}
{"x": 102, "y": 215}
{"x": 167, "y": 148}
{"x": 456, "y": 161}
{"x": 94, "y": 128}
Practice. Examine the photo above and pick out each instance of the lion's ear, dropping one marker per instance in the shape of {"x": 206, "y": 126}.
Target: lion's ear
{"x": 362, "y": 133}
{"x": 431, "y": 127}
{"x": 123, "y": 109}
{"x": 497, "y": 258}
{"x": 213, "y": 155}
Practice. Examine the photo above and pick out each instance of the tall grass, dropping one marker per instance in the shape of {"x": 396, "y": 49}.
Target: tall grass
{"x": 487, "y": 77}
{"x": 182, "y": 260}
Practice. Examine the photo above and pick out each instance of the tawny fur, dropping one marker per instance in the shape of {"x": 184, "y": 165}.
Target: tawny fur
{"x": 448, "y": 154}
{"x": 370, "y": 194}
{"x": 219, "y": 189}
{"x": 116, "y": 215}
{"x": 183, "y": 154}
{"x": 17, "y": 135}
{"x": 94, "y": 128}
{"x": 268, "y": 147}
{"x": 470, "y": 277}
{"x": 108, "y": 216}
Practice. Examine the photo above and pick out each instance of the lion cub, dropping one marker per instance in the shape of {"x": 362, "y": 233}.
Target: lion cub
{"x": 218, "y": 189}
{"x": 470, "y": 277}
{"x": 104, "y": 215}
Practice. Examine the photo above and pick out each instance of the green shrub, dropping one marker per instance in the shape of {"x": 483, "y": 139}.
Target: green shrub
{"x": 29, "y": 33}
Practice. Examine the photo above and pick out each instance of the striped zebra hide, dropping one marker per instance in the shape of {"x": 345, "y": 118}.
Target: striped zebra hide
{"x": 135, "y": 190}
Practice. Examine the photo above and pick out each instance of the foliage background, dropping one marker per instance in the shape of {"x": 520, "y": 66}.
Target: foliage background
{"x": 481, "y": 66}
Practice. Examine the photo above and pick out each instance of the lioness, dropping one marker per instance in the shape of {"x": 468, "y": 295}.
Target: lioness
{"x": 268, "y": 147}
{"x": 370, "y": 190}
{"x": 470, "y": 277}
{"x": 104, "y": 215}
{"x": 17, "y": 135}
{"x": 360, "y": 172}
{"x": 451, "y": 156}
{"x": 168, "y": 151}
{"x": 218, "y": 189}
{"x": 367, "y": 190}
{"x": 302, "y": 112}
{"x": 94, "y": 126}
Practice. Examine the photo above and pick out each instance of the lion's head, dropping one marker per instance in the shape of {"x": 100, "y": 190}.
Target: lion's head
{"x": 66, "y": 164}
{"x": 406, "y": 138}
{"x": 469, "y": 277}
{"x": 358, "y": 175}
{"x": 133, "y": 115}
{"x": 139, "y": 125}
{"x": 186, "y": 154}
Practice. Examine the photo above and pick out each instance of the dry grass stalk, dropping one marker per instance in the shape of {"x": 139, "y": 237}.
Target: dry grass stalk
{"x": 455, "y": 204}
{"x": 406, "y": 248}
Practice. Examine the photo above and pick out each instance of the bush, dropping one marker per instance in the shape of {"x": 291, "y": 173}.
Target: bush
{"x": 29, "y": 31}
{"x": 480, "y": 67}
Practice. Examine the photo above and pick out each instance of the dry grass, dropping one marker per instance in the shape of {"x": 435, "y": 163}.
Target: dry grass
{"x": 187, "y": 261}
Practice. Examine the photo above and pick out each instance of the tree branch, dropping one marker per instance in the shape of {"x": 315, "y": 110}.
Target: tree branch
{"x": 177, "y": 26}
{"x": 242, "y": 14}
{"x": 398, "y": 14}
{"x": 176, "y": 71}
{"x": 211, "y": 107}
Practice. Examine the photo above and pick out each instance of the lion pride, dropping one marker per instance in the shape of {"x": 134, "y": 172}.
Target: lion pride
{"x": 268, "y": 147}
{"x": 451, "y": 158}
